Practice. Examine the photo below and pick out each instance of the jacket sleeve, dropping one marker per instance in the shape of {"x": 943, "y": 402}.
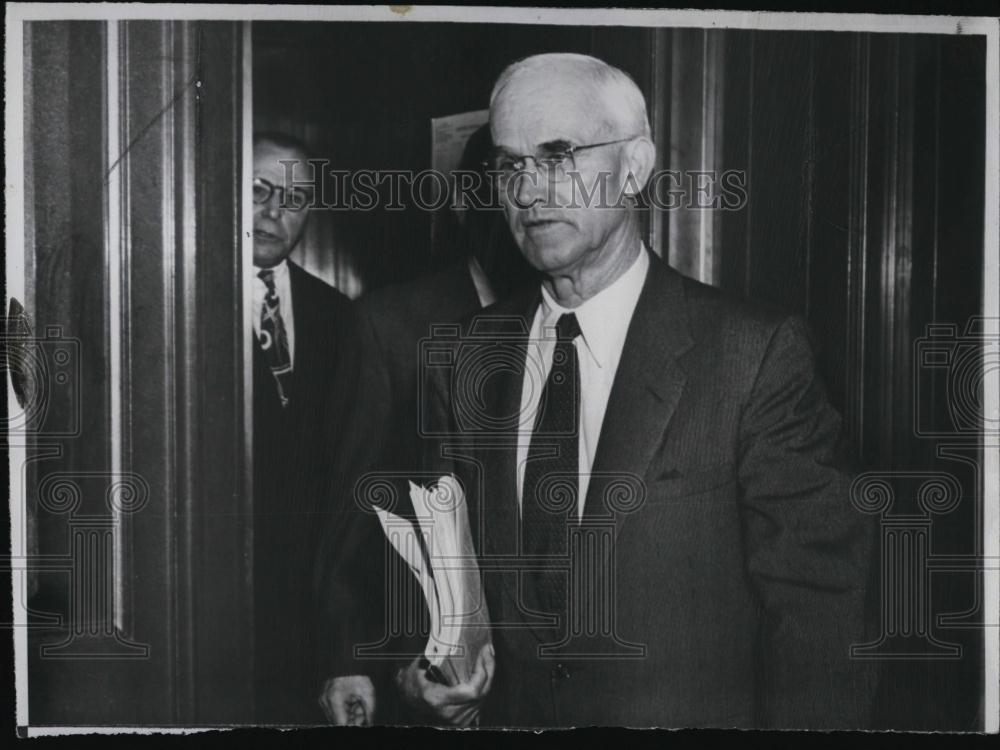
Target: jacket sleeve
{"x": 808, "y": 551}
{"x": 349, "y": 567}
{"x": 366, "y": 592}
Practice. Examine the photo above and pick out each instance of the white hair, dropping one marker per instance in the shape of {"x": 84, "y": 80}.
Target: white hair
{"x": 624, "y": 103}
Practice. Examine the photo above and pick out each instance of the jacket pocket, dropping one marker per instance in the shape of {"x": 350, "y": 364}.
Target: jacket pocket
{"x": 679, "y": 484}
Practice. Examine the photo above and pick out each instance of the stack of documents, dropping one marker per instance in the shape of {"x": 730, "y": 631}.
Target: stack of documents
{"x": 441, "y": 555}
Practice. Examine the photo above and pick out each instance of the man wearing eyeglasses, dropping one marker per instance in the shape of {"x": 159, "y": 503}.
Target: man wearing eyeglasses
{"x": 656, "y": 481}
{"x": 305, "y": 362}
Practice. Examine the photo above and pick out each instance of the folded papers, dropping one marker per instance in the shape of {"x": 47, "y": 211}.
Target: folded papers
{"x": 441, "y": 555}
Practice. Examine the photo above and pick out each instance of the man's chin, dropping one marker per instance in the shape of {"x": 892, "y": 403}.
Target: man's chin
{"x": 266, "y": 257}
{"x": 553, "y": 264}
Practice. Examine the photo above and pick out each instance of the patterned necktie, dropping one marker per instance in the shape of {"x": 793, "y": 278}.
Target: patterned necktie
{"x": 551, "y": 476}
{"x": 273, "y": 337}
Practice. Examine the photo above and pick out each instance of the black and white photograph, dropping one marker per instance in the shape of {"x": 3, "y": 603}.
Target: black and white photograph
{"x": 493, "y": 368}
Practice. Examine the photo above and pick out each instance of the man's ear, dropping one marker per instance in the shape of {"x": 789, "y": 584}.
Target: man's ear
{"x": 640, "y": 158}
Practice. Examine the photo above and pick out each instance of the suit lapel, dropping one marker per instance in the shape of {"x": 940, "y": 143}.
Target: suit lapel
{"x": 301, "y": 318}
{"x": 511, "y": 324}
{"x": 313, "y": 344}
{"x": 646, "y": 390}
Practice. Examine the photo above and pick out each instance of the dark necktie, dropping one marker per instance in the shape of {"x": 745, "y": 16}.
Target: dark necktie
{"x": 551, "y": 476}
{"x": 274, "y": 338}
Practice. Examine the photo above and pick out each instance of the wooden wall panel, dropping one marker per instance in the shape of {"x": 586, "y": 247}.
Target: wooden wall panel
{"x": 217, "y": 383}
{"x": 136, "y": 150}
{"x": 864, "y": 151}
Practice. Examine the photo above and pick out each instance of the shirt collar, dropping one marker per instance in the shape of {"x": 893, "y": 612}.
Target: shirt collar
{"x": 605, "y": 317}
{"x": 280, "y": 272}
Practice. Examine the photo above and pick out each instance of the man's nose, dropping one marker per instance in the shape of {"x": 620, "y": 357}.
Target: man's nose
{"x": 529, "y": 186}
{"x": 273, "y": 209}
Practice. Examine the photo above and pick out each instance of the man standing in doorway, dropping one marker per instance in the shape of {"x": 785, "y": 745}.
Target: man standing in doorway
{"x": 656, "y": 479}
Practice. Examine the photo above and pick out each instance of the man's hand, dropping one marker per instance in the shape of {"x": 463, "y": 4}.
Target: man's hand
{"x": 349, "y": 701}
{"x": 457, "y": 705}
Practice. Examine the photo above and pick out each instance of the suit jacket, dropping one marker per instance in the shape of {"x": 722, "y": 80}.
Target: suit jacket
{"x": 298, "y": 462}
{"x": 727, "y": 567}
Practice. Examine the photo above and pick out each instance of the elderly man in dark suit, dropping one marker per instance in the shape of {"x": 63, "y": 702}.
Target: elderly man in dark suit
{"x": 656, "y": 481}
{"x": 305, "y": 371}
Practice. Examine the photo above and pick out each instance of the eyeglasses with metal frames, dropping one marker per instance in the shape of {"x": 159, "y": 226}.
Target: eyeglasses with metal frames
{"x": 554, "y": 164}
{"x": 291, "y": 199}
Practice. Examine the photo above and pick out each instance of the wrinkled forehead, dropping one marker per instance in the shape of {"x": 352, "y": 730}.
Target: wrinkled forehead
{"x": 268, "y": 158}
{"x": 541, "y": 108}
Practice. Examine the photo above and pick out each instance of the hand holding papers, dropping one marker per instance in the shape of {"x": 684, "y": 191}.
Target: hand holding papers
{"x": 457, "y": 705}
{"x": 440, "y": 553}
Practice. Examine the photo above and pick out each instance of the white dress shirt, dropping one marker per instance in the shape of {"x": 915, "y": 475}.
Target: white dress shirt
{"x": 604, "y": 320}
{"x": 283, "y": 288}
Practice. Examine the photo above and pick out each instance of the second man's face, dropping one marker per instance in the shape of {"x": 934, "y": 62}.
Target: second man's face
{"x": 276, "y": 227}
{"x": 558, "y": 226}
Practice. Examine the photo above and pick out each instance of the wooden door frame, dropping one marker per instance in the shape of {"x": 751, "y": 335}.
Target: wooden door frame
{"x": 169, "y": 642}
